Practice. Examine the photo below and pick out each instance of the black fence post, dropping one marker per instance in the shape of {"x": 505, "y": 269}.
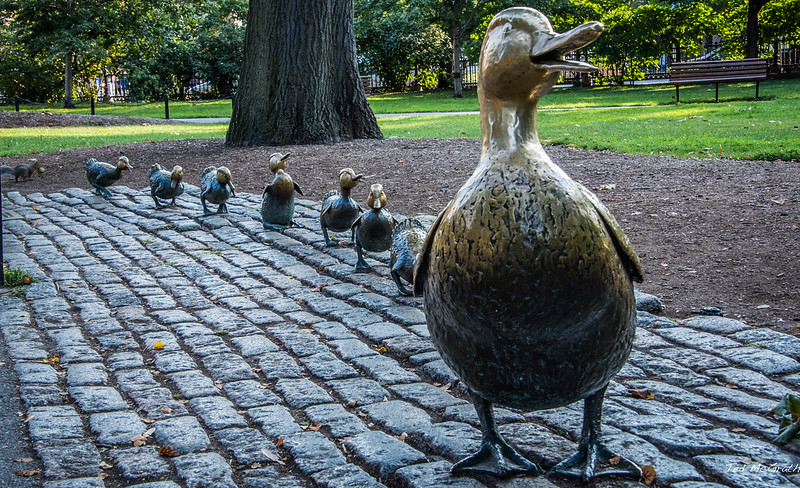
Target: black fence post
{"x": 16, "y": 102}
{"x": 166, "y": 104}
{"x": 92, "y": 104}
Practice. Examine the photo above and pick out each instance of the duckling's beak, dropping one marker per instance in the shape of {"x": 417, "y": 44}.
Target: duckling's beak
{"x": 285, "y": 157}
{"x": 357, "y": 177}
{"x": 549, "y": 49}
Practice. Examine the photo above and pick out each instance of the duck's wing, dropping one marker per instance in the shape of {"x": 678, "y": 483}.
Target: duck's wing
{"x": 621, "y": 241}
{"x": 421, "y": 266}
{"x": 327, "y": 200}
{"x": 297, "y": 188}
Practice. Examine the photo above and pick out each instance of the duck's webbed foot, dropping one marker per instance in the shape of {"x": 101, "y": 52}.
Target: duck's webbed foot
{"x": 101, "y": 190}
{"x": 495, "y": 456}
{"x": 223, "y": 208}
{"x": 267, "y": 225}
{"x": 592, "y": 452}
{"x": 400, "y": 287}
{"x": 361, "y": 264}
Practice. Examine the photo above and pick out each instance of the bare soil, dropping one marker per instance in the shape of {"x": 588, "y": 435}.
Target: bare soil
{"x": 719, "y": 233}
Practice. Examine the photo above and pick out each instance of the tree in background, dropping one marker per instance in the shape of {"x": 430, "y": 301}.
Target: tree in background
{"x": 396, "y": 42}
{"x": 299, "y": 81}
{"x": 220, "y": 43}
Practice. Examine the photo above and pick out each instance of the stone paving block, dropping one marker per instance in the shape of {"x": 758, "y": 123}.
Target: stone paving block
{"x": 453, "y": 440}
{"x": 301, "y": 393}
{"x": 269, "y": 477}
{"x": 359, "y": 391}
{"x": 533, "y": 441}
{"x": 125, "y": 360}
{"x": 182, "y": 433}
{"x": 75, "y": 483}
{"x": 761, "y": 360}
{"x": 678, "y": 441}
{"x": 465, "y": 412}
{"x": 274, "y": 420}
{"x": 139, "y": 463}
{"x": 349, "y": 349}
{"x": 426, "y": 395}
{"x": 116, "y": 428}
{"x": 277, "y": 365}
{"x": 204, "y": 470}
{"x": 345, "y": 476}
{"x": 297, "y": 342}
{"x": 313, "y": 452}
{"x": 766, "y": 452}
{"x": 250, "y": 393}
{"x": 716, "y": 325}
{"x": 435, "y": 475}
{"x": 29, "y": 372}
{"x": 93, "y": 399}
{"x": 738, "y": 398}
{"x": 327, "y": 366}
{"x": 408, "y": 345}
{"x": 667, "y": 369}
{"x": 334, "y": 417}
{"x": 54, "y": 422}
{"x": 193, "y": 384}
{"x": 381, "y": 331}
{"x": 30, "y": 350}
{"x": 406, "y": 315}
{"x": 439, "y": 372}
{"x": 690, "y": 358}
{"x": 174, "y": 361}
{"x": 78, "y": 354}
{"x": 384, "y": 369}
{"x": 254, "y": 345}
{"x": 398, "y": 417}
{"x": 696, "y": 339}
{"x": 247, "y": 445}
{"x": 167, "y": 340}
{"x": 69, "y": 458}
{"x": 157, "y": 403}
{"x": 382, "y": 453}
{"x": 207, "y": 345}
{"x": 643, "y": 453}
{"x": 731, "y": 471}
{"x": 135, "y": 379}
{"x": 664, "y": 392}
{"x": 228, "y": 367}
{"x": 34, "y": 395}
{"x": 749, "y": 421}
{"x": 217, "y": 412}
{"x": 750, "y": 380}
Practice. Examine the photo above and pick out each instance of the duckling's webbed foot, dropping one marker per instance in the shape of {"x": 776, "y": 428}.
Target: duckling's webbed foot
{"x": 101, "y": 190}
{"x": 267, "y": 225}
{"x": 495, "y": 456}
{"x": 361, "y": 264}
{"x": 400, "y": 287}
{"x": 591, "y": 452}
{"x": 328, "y": 241}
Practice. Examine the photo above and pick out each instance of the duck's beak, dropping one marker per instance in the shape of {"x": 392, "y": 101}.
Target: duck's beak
{"x": 549, "y": 50}
{"x": 285, "y": 157}
{"x": 357, "y": 177}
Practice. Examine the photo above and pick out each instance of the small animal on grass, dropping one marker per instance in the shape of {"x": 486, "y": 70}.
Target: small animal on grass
{"x": 24, "y": 171}
{"x": 216, "y": 188}
{"x": 277, "y": 199}
{"x": 165, "y": 184}
{"x": 373, "y": 229}
{"x": 339, "y": 210}
{"x": 102, "y": 175}
{"x": 407, "y": 240}
{"x": 527, "y": 277}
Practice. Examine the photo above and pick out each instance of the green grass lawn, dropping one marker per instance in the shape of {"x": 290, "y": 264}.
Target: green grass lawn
{"x": 649, "y": 122}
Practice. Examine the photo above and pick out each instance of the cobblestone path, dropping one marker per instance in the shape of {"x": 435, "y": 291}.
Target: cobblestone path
{"x": 260, "y": 359}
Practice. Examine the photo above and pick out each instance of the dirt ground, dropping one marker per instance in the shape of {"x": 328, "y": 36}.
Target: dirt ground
{"x": 718, "y": 233}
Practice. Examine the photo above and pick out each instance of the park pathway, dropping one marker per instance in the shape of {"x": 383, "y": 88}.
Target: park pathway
{"x": 164, "y": 349}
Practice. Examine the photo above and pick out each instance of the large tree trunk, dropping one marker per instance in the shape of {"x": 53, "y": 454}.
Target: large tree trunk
{"x": 457, "y": 71}
{"x": 751, "y": 46}
{"x": 68, "y": 100}
{"x": 299, "y": 80}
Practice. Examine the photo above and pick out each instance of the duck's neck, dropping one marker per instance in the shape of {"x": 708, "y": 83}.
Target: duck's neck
{"x": 508, "y": 125}
{"x": 345, "y": 192}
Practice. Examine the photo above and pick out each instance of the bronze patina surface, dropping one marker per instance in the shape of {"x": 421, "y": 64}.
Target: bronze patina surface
{"x": 407, "y": 240}
{"x": 373, "y": 229}
{"x": 216, "y": 187}
{"x": 339, "y": 209}
{"x": 102, "y": 175}
{"x": 277, "y": 199}
{"x": 164, "y": 184}
{"x": 527, "y": 277}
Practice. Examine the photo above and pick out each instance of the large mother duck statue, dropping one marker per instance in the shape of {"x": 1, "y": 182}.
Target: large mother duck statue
{"x": 527, "y": 277}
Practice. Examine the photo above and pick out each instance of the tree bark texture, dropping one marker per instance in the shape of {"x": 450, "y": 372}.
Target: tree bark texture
{"x": 299, "y": 80}
{"x": 753, "y": 8}
{"x": 69, "y": 102}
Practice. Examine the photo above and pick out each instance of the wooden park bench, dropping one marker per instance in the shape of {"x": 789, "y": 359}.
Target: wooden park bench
{"x": 729, "y": 70}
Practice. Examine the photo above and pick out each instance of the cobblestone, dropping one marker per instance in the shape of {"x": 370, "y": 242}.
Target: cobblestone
{"x": 280, "y": 367}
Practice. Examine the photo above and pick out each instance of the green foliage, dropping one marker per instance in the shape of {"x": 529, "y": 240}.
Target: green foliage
{"x": 788, "y": 411}
{"x": 16, "y": 277}
{"x": 397, "y": 43}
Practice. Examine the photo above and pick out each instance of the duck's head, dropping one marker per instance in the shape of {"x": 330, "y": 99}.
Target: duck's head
{"x": 123, "y": 163}
{"x": 224, "y": 175}
{"x": 348, "y": 178}
{"x": 176, "y": 176}
{"x": 377, "y": 198}
{"x": 277, "y": 161}
{"x": 522, "y": 56}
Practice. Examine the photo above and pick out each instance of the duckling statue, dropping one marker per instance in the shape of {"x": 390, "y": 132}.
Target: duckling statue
{"x": 339, "y": 210}
{"x": 374, "y": 228}
{"x": 407, "y": 240}
{"x": 102, "y": 175}
{"x": 216, "y": 187}
{"x": 527, "y": 277}
{"x": 165, "y": 184}
{"x": 277, "y": 199}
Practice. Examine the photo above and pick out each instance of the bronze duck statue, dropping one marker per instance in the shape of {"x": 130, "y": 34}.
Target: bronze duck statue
{"x": 407, "y": 240}
{"x": 216, "y": 187}
{"x": 102, "y": 175}
{"x": 277, "y": 199}
{"x": 373, "y": 229}
{"x": 165, "y": 184}
{"x": 527, "y": 277}
{"x": 339, "y": 210}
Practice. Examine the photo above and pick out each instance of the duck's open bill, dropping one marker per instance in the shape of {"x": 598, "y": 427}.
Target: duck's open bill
{"x": 548, "y": 52}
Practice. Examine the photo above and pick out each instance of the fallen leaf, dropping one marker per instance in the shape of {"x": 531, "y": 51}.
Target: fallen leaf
{"x": 255, "y": 465}
{"x": 28, "y": 418}
{"x": 166, "y": 410}
{"x": 148, "y": 421}
{"x": 27, "y": 472}
{"x": 271, "y": 456}
{"x": 168, "y": 451}
{"x": 103, "y": 476}
{"x": 158, "y": 345}
{"x": 401, "y": 437}
{"x": 105, "y": 465}
{"x": 614, "y": 460}
{"x": 648, "y": 475}
{"x": 279, "y": 443}
{"x": 351, "y": 404}
{"x": 24, "y": 460}
{"x": 642, "y": 393}
{"x": 381, "y": 349}
{"x": 314, "y": 427}
{"x": 739, "y": 429}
